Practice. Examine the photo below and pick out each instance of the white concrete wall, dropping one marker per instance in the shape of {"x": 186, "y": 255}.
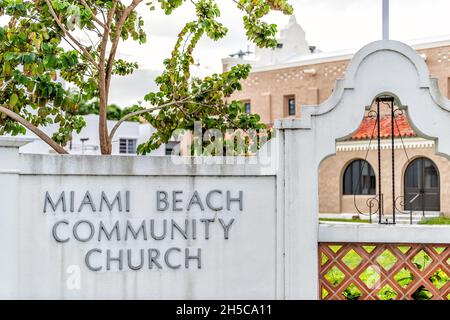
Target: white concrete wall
{"x": 380, "y": 68}
{"x": 272, "y": 250}
{"x": 34, "y": 265}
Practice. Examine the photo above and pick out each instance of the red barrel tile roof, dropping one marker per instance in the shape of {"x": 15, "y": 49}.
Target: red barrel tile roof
{"x": 367, "y": 127}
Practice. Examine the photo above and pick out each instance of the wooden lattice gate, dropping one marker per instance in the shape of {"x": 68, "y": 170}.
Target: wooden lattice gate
{"x": 364, "y": 271}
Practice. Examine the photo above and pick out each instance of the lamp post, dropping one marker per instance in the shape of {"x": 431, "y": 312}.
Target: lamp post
{"x": 83, "y": 140}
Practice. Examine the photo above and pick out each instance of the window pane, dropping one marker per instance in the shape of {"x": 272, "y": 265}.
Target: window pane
{"x": 430, "y": 175}
{"x": 373, "y": 187}
{"x": 356, "y": 178}
{"x": 127, "y": 146}
{"x": 291, "y": 105}
{"x": 247, "y": 107}
{"x": 348, "y": 181}
{"x": 365, "y": 178}
{"x": 412, "y": 175}
{"x": 132, "y": 146}
{"x": 122, "y": 146}
{"x": 359, "y": 179}
{"x": 170, "y": 146}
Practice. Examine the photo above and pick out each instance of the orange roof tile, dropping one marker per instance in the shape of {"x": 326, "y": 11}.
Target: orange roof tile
{"x": 366, "y": 128}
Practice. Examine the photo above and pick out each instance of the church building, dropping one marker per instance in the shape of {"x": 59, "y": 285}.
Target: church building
{"x": 296, "y": 74}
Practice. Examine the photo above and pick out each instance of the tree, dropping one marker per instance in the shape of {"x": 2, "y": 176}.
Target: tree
{"x": 105, "y": 23}
{"x": 114, "y": 112}
{"x": 30, "y": 56}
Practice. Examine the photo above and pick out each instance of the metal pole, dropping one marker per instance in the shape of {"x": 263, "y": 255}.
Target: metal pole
{"x": 423, "y": 204}
{"x": 393, "y": 160}
{"x": 380, "y": 204}
{"x": 422, "y": 190}
{"x": 385, "y": 19}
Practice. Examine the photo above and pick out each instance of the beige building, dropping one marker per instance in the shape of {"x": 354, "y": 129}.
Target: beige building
{"x": 348, "y": 180}
{"x": 291, "y": 77}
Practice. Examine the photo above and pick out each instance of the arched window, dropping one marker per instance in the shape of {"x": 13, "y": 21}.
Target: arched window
{"x": 422, "y": 186}
{"x": 359, "y": 178}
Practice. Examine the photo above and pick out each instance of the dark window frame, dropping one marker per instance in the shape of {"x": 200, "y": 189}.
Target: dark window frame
{"x": 247, "y": 107}
{"x": 422, "y": 185}
{"x": 169, "y": 146}
{"x": 127, "y": 146}
{"x": 359, "y": 170}
{"x": 291, "y": 106}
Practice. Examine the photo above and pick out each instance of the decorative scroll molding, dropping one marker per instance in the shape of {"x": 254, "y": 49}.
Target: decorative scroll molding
{"x": 348, "y": 83}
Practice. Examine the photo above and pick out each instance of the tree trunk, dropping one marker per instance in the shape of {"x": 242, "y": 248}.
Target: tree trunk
{"x": 34, "y": 129}
{"x": 105, "y": 142}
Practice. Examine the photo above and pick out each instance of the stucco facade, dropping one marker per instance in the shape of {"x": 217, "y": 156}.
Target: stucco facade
{"x": 311, "y": 81}
{"x": 332, "y": 199}
{"x": 267, "y": 88}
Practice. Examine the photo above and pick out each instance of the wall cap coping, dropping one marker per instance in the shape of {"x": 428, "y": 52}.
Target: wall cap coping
{"x": 116, "y": 165}
{"x": 14, "y": 142}
{"x": 375, "y": 233}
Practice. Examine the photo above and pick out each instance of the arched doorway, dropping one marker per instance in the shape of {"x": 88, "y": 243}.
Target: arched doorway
{"x": 422, "y": 186}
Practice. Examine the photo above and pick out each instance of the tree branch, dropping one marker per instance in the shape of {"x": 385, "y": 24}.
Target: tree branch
{"x": 5, "y": 84}
{"x": 104, "y": 43}
{"x": 33, "y": 129}
{"x": 140, "y": 112}
{"x": 68, "y": 34}
{"x": 105, "y": 142}
{"x": 94, "y": 17}
{"x": 115, "y": 42}
{"x": 128, "y": 116}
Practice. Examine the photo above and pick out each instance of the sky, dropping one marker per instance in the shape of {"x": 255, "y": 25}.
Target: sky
{"x": 331, "y": 25}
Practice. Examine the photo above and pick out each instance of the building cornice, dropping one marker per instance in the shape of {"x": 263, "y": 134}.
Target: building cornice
{"x": 361, "y": 145}
{"x": 325, "y": 57}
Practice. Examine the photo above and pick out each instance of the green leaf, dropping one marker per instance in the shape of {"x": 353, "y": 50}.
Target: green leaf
{"x": 13, "y": 99}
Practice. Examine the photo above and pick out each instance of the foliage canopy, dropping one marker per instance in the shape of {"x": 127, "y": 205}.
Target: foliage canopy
{"x": 41, "y": 45}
